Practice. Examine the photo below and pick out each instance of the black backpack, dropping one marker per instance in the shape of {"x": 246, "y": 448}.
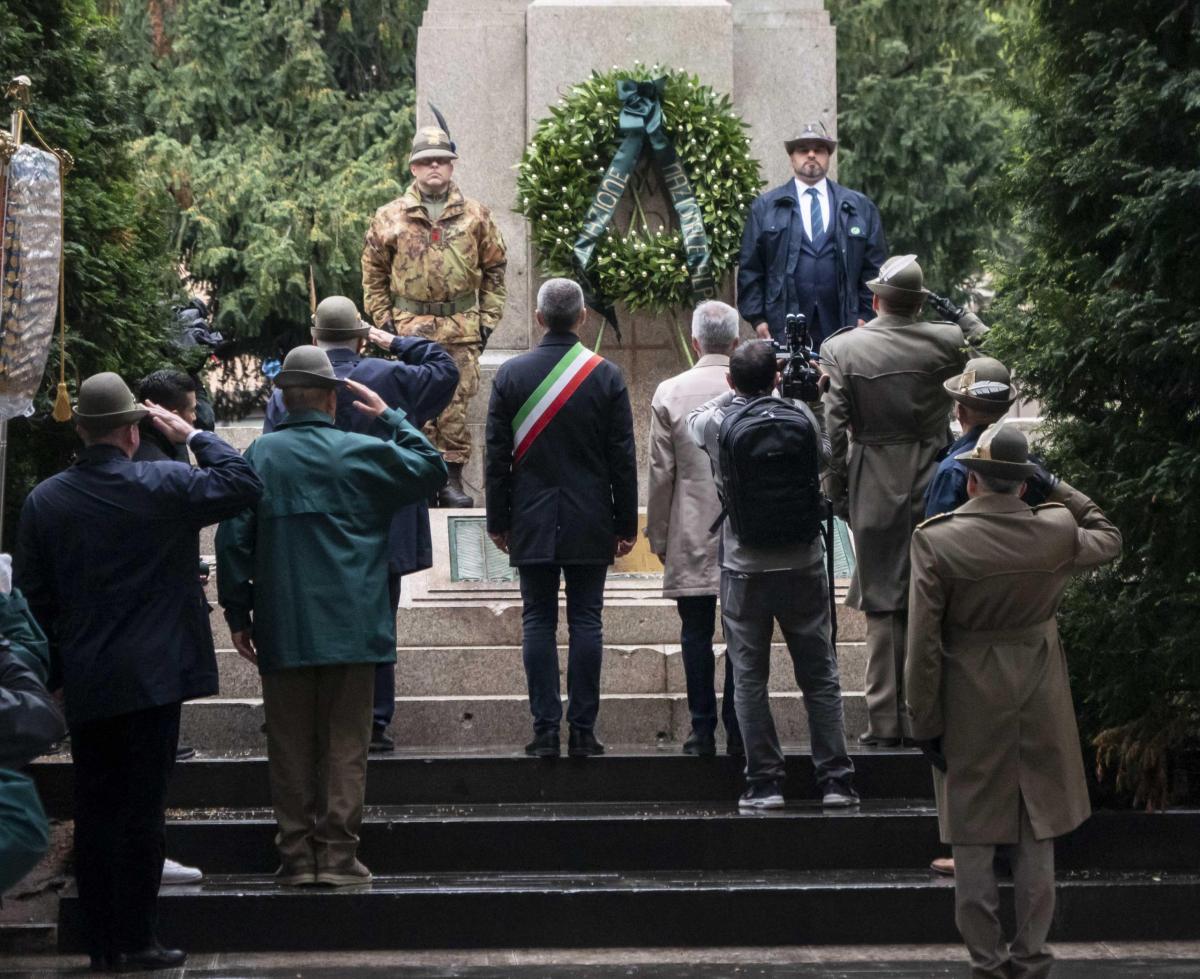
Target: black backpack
{"x": 771, "y": 474}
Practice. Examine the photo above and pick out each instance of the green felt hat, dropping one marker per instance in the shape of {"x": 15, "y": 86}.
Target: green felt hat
{"x": 337, "y": 318}
{"x": 900, "y": 278}
{"x": 105, "y": 402}
{"x": 984, "y": 385}
{"x": 307, "y": 367}
{"x": 1002, "y": 451}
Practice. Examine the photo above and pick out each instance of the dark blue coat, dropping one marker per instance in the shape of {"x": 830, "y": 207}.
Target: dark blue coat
{"x": 948, "y": 489}
{"x": 421, "y": 384}
{"x": 107, "y": 553}
{"x": 771, "y": 241}
{"x": 575, "y": 491}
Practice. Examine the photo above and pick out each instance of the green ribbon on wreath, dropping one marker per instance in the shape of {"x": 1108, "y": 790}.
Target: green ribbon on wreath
{"x": 641, "y": 119}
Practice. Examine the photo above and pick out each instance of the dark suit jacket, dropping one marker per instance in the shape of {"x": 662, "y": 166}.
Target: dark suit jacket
{"x": 575, "y": 491}
{"x": 107, "y": 553}
{"x": 766, "y": 282}
{"x": 421, "y": 384}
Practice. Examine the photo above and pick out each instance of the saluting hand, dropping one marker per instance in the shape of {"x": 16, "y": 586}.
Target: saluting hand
{"x": 381, "y": 338}
{"x": 371, "y": 403}
{"x": 169, "y": 423}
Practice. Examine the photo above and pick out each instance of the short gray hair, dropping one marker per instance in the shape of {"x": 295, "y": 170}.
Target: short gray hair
{"x": 560, "y": 302}
{"x": 714, "y": 326}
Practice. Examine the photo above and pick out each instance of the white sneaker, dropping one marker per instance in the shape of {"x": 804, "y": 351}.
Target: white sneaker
{"x": 177, "y": 873}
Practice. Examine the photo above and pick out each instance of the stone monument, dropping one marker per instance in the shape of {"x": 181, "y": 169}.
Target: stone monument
{"x": 494, "y": 67}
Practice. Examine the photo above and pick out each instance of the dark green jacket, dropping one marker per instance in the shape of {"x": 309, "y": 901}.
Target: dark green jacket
{"x": 29, "y": 722}
{"x": 306, "y": 569}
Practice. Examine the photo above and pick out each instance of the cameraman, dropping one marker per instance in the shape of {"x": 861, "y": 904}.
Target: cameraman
{"x": 764, "y": 583}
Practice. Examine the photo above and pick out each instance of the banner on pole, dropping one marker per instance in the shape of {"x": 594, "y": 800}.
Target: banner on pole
{"x": 30, "y": 249}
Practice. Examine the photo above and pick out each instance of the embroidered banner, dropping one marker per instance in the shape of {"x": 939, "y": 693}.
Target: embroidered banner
{"x": 30, "y": 245}
{"x": 548, "y": 398}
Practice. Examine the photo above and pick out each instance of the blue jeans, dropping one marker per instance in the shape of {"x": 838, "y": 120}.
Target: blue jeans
{"x": 698, "y": 620}
{"x": 585, "y": 603}
{"x": 799, "y": 600}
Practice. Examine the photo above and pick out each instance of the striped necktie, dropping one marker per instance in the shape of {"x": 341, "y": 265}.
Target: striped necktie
{"x": 814, "y": 213}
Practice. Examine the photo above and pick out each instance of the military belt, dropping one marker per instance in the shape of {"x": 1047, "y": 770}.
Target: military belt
{"x": 957, "y": 636}
{"x": 459, "y": 304}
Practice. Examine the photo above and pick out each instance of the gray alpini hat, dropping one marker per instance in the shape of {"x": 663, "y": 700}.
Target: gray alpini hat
{"x": 900, "y": 278}
{"x": 105, "y": 403}
{"x": 1002, "y": 451}
{"x": 337, "y": 318}
{"x": 984, "y": 385}
{"x": 307, "y": 367}
{"x": 814, "y": 132}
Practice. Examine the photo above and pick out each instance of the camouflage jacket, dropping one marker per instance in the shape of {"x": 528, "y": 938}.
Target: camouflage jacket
{"x": 407, "y": 255}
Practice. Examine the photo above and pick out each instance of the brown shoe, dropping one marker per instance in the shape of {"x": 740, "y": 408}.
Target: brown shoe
{"x": 943, "y": 866}
{"x": 287, "y": 876}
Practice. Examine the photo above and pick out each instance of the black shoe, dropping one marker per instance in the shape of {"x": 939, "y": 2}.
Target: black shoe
{"x": 762, "y": 795}
{"x": 452, "y": 495}
{"x": 544, "y": 745}
{"x": 184, "y": 752}
{"x": 734, "y": 746}
{"x": 583, "y": 744}
{"x": 380, "y": 742}
{"x": 148, "y": 959}
{"x": 701, "y": 743}
{"x": 869, "y": 740}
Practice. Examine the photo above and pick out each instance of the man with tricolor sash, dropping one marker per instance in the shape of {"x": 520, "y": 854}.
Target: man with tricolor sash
{"x": 561, "y": 502}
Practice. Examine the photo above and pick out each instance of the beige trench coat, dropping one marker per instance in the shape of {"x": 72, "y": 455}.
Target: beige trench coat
{"x": 985, "y": 670}
{"x": 888, "y": 416}
{"x": 682, "y": 503}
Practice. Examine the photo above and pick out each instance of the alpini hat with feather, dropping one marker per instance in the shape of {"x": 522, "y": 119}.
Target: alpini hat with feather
{"x": 432, "y": 142}
{"x": 105, "y": 402}
{"x": 984, "y": 385}
{"x": 1002, "y": 451}
{"x": 900, "y": 279}
{"x": 813, "y": 132}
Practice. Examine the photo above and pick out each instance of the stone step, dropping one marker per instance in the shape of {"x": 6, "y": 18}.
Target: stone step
{"x": 594, "y": 837}
{"x": 507, "y": 777}
{"x": 645, "y": 622}
{"x": 232, "y": 724}
{"x": 644, "y": 909}
{"x": 472, "y": 671}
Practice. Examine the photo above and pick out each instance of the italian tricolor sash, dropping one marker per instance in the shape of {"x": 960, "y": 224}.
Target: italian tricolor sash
{"x": 549, "y": 397}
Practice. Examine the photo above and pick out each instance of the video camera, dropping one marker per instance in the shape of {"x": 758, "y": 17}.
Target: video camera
{"x": 800, "y": 378}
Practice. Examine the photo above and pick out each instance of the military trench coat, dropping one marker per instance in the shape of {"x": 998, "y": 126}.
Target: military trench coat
{"x": 888, "y": 416}
{"x": 985, "y": 670}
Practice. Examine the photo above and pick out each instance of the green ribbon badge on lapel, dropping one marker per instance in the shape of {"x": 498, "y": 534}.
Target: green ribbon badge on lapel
{"x": 641, "y": 119}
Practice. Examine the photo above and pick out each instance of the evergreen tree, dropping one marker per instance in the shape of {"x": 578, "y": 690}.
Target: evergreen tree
{"x": 1102, "y": 322}
{"x": 278, "y": 129}
{"x": 119, "y": 278}
{"x": 923, "y": 125}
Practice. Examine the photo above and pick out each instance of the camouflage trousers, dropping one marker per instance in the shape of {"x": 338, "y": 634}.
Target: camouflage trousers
{"x": 449, "y": 432}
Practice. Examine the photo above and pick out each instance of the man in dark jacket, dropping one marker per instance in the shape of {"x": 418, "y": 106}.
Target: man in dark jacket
{"x": 420, "y": 383}
{"x": 175, "y": 391}
{"x": 561, "y": 499}
{"x": 809, "y": 246}
{"x": 107, "y": 557}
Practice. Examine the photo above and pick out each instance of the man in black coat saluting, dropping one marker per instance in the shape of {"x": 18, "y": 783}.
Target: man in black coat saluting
{"x": 561, "y": 477}
{"x": 107, "y": 556}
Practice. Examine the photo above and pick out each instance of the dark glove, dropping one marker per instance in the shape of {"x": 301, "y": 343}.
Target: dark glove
{"x": 485, "y": 334}
{"x": 1040, "y": 485}
{"x": 932, "y": 750}
{"x": 945, "y": 307}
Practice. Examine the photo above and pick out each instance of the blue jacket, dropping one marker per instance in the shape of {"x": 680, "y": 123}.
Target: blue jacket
{"x": 107, "y": 553}
{"x": 948, "y": 489}
{"x": 420, "y": 384}
{"x": 766, "y": 282}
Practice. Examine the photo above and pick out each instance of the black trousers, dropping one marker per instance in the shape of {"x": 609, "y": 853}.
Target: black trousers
{"x": 122, "y": 765}
{"x": 385, "y": 673}
{"x": 698, "y": 621}
{"x": 585, "y": 646}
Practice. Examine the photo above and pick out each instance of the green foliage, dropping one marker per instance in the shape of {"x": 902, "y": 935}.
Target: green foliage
{"x": 278, "y": 128}
{"x": 562, "y": 166}
{"x": 1102, "y": 322}
{"x": 118, "y": 275}
{"x": 923, "y": 125}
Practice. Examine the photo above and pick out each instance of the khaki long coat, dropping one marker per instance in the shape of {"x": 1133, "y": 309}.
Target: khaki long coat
{"x": 682, "y": 502}
{"x": 986, "y": 671}
{"x": 888, "y": 416}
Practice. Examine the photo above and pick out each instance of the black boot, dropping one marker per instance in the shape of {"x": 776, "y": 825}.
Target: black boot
{"x": 452, "y": 495}
{"x": 543, "y": 745}
{"x": 699, "y": 742}
{"x": 583, "y": 744}
{"x": 148, "y": 959}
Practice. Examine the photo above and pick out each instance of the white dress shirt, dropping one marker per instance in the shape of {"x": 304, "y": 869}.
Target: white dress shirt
{"x": 822, "y": 189}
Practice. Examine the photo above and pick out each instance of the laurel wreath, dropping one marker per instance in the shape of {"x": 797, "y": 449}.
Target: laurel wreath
{"x": 645, "y": 268}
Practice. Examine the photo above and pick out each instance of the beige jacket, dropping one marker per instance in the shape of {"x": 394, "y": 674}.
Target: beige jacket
{"x": 888, "y": 416}
{"x": 985, "y": 670}
{"x": 682, "y": 502}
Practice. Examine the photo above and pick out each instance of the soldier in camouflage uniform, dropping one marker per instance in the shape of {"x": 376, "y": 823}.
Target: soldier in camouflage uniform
{"x": 433, "y": 266}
